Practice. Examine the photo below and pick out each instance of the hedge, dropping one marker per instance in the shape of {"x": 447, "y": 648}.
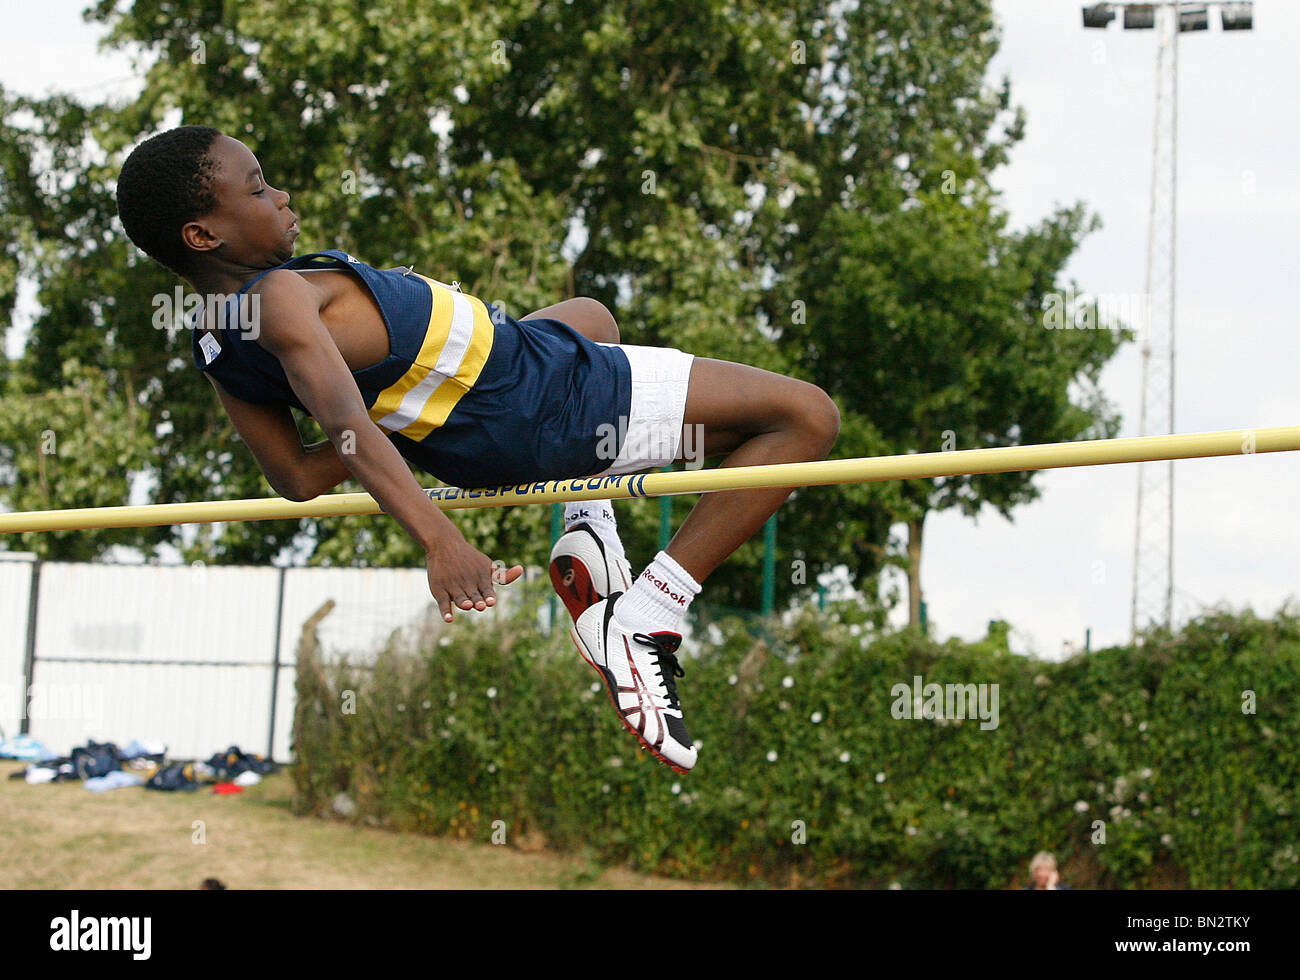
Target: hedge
{"x": 1173, "y": 764}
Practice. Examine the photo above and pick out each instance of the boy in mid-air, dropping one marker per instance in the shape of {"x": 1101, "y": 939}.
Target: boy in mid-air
{"x": 398, "y": 367}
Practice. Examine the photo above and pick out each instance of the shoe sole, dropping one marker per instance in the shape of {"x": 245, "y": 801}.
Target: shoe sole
{"x": 573, "y": 635}
{"x": 572, "y": 582}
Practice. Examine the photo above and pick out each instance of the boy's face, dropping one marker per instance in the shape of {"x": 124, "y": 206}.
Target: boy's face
{"x": 252, "y": 225}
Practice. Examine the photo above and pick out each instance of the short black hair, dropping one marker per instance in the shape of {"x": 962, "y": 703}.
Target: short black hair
{"x": 164, "y": 183}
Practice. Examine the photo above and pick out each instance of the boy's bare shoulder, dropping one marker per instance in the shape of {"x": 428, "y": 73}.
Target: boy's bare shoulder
{"x": 287, "y": 299}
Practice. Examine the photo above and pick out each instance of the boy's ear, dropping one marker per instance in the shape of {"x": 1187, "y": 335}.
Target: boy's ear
{"x": 198, "y": 238}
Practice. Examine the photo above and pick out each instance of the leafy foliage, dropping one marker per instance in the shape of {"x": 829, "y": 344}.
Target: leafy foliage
{"x": 504, "y": 723}
{"x": 700, "y": 168}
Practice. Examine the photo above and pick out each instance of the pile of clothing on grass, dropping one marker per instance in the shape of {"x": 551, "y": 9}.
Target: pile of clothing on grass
{"x": 102, "y": 766}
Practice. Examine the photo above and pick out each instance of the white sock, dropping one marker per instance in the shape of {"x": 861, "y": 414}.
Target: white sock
{"x": 659, "y": 598}
{"x": 599, "y": 515}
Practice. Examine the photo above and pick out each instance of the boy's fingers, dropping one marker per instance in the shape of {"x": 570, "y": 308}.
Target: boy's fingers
{"x": 504, "y": 576}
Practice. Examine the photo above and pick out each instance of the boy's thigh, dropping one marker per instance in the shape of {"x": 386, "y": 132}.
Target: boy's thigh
{"x": 651, "y": 434}
{"x": 729, "y": 402}
{"x": 688, "y": 409}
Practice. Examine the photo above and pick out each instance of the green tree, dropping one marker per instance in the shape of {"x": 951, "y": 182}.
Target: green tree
{"x": 947, "y": 307}
{"x": 686, "y": 164}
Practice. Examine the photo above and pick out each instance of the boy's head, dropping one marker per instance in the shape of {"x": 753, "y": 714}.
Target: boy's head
{"x": 193, "y": 196}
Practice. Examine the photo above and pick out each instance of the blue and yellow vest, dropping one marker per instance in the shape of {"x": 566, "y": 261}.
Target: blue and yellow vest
{"x": 471, "y": 396}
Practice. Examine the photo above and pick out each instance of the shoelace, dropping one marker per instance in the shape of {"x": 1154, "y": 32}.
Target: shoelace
{"x": 670, "y": 667}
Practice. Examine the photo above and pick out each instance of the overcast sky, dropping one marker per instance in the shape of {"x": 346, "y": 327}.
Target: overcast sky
{"x": 1065, "y": 564}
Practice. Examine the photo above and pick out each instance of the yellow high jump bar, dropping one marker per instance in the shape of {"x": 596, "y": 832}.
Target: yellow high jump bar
{"x": 1007, "y": 459}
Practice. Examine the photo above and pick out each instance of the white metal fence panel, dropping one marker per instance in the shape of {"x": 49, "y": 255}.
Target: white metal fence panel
{"x": 197, "y": 657}
{"x": 177, "y": 654}
{"x": 286, "y": 702}
{"x": 371, "y": 605}
{"x": 193, "y": 709}
{"x": 156, "y": 612}
{"x": 15, "y": 590}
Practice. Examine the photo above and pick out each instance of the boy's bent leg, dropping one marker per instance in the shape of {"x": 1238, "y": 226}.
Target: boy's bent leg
{"x": 590, "y": 317}
{"x": 758, "y": 418}
{"x": 588, "y": 562}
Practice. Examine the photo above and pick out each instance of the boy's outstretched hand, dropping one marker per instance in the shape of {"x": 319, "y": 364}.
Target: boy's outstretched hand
{"x": 462, "y": 576}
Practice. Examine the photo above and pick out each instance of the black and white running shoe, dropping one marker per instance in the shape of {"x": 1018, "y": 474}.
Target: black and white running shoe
{"x": 640, "y": 671}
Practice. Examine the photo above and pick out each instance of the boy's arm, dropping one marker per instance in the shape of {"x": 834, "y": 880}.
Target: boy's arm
{"x": 295, "y": 471}
{"x": 291, "y": 330}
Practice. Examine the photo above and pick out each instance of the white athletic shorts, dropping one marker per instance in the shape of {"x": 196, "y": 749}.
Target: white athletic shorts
{"x": 652, "y": 434}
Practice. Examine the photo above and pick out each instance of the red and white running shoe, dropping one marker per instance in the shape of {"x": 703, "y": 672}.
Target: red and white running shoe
{"x": 640, "y": 671}
{"x": 584, "y": 572}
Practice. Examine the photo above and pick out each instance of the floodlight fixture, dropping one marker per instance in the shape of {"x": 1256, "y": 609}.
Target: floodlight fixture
{"x": 1237, "y": 16}
{"x": 1140, "y": 17}
{"x": 1098, "y": 15}
{"x": 1194, "y": 18}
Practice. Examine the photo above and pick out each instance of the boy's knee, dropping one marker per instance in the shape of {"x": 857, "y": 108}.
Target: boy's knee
{"x": 822, "y": 418}
{"x": 603, "y": 327}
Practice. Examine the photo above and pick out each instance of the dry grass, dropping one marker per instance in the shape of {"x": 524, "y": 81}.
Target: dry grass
{"x": 56, "y": 836}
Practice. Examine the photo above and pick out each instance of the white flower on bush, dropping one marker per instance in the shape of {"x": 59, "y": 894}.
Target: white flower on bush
{"x": 845, "y": 757}
{"x": 771, "y": 756}
{"x": 491, "y": 692}
{"x": 676, "y": 788}
{"x": 1166, "y": 839}
{"x": 880, "y": 777}
{"x": 1080, "y": 806}
{"x": 426, "y": 705}
{"x": 911, "y": 831}
{"x": 732, "y": 679}
{"x": 787, "y": 681}
{"x": 1146, "y": 774}
{"x": 816, "y": 717}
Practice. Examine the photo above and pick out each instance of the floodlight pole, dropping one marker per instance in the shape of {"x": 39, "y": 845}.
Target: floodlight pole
{"x": 1153, "y": 546}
